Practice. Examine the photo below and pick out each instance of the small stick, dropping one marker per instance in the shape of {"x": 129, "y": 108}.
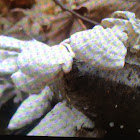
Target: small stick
{"x": 82, "y": 25}
{"x": 74, "y": 13}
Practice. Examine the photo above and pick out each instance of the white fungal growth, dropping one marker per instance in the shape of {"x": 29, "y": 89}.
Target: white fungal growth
{"x": 124, "y": 15}
{"x": 124, "y": 21}
{"x": 31, "y": 109}
{"x": 27, "y": 83}
{"x": 61, "y": 121}
{"x": 7, "y": 54}
{"x": 8, "y": 66}
{"x": 120, "y": 34}
{"x": 99, "y": 47}
{"x": 111, "y": 22}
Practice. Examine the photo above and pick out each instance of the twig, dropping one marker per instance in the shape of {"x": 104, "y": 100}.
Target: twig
{"x": 74, "y": 13}
{"x": 82, "y": 24}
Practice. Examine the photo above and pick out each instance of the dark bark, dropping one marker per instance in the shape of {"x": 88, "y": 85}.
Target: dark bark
{"x": 106, "y": 96}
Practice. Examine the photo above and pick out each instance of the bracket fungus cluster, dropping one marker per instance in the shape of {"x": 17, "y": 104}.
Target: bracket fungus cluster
{"x": 34, "y": 68}
{"x": 127, "y": 27}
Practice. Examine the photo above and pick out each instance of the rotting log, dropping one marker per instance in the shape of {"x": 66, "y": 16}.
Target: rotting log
{"x": 106, "y": 96}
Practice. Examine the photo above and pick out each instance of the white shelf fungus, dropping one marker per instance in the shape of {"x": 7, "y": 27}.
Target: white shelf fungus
{"x": 99, "y": 47}
{"x": 124, "y": 15}
{"x": 31, "y": 109}
{"x": 61, "y": 121}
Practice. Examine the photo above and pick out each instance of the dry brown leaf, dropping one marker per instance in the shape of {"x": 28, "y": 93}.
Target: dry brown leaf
{"x": 102, "y": 9}
{"x": 60, "y": 28}
{"x": 45, "y": 6}
{"x": 19, "y": 3}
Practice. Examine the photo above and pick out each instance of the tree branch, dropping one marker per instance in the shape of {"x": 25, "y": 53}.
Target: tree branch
{"x": 64, "y": 8}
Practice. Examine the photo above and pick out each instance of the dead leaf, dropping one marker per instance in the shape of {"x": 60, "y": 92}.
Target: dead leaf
{"x": 102, "y": 9}
{"x": 20, "y": 3}
{"x": 44, "y": 6}
{"x": 60, "y": 28}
